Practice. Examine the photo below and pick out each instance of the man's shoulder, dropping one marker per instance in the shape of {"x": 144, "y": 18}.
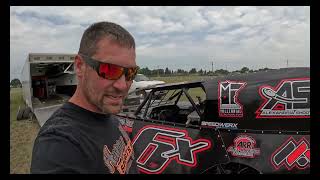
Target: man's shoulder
{"x": 64, "y": 116}
{"x": 61, "y": 123}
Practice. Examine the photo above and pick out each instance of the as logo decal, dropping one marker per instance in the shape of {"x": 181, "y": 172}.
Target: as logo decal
{"x": 229, "y": 105}
{"x": 292, "y": 154}
{"x": 290, "y": 99}
{"x": 244, "y": 146}
{"x": 160, "y": 145}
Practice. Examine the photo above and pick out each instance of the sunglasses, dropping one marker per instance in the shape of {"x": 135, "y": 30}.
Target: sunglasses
{"x": 110, "y": 71}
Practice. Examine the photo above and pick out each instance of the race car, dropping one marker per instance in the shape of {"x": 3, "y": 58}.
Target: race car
{"x": 254, "y": 123}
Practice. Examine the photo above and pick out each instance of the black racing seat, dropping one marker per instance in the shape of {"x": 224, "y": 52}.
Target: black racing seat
{"x": 169, "y": 113}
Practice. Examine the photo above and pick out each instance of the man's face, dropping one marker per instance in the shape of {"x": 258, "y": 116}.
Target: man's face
{"x": 108, "y": 95}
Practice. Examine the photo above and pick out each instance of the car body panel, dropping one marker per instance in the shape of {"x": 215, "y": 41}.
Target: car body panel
{"x": 257, "y": 121}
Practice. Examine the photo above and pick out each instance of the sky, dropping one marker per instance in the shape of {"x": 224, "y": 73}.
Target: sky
{"x": 180, "y": 37}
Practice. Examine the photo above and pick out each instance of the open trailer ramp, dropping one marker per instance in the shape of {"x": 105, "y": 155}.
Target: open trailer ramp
{"x": 43, "y": 113}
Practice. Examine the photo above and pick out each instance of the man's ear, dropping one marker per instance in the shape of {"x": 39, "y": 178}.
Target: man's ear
{"x": 79, "y": 66}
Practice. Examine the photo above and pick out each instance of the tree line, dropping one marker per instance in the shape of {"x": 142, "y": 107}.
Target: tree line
{"x": 179, "y": 72}
{"x": 168, "y": 72}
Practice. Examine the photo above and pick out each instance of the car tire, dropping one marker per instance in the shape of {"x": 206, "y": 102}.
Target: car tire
{"x": 27, "y": 113}
{"x": 232, "y": 168}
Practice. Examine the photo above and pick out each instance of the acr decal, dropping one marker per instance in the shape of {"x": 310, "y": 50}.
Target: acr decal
{"x": 292, "y": 154}
{"x": 228, "y": 103}
{"x": 244, "y": 147}
{"x": 289, "y": 99}
{"x": 161, "y": 145}
{"x": 219, "y": 125}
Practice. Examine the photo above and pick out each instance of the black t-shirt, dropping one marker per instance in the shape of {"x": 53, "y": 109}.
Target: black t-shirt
{"x": 75, "y": 140}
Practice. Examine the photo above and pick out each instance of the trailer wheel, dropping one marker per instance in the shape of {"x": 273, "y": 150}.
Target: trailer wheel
{"x": 27, "y": 113}
{"x": 20, "y": 113}
{"x": 232, "y": 168}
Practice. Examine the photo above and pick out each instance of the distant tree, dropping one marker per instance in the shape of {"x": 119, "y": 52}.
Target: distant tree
{"x": 193, "y": 71}
{"x": 145, "y": 71}
{"x": 15, "y": 83}
{"x": 222, "y": 72}
{"x": 161, "y": 71}
{"x": 157, "y": 72}
{"x": 210, "y": 73}
{"x": 180, "y": 71}
{"x": 244, "y": 70}
{"x": 200, "y": 72}
{"x": 167, "y": 71}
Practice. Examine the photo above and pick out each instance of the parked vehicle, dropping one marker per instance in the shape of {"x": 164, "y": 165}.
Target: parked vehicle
{"x": 141, "y": 81}
{"x": 241, "y": 124}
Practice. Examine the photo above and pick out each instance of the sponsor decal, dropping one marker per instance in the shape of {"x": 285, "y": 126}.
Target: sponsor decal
{"x": 244, "y": 147}
{"x": 229, "y": 105}
{"x": 162, "y": 145}
{"x": 121, "y": 156}
{"x": 292, "y": 154}
{"x": 289, "y": 99}
{"x": 219, "y": 125}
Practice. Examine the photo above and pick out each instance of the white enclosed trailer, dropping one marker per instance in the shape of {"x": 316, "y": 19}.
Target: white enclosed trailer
{"x": 48, "y": 80}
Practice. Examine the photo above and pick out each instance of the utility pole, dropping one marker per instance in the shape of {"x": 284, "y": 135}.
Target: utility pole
{"x": 212, "y": 66}
{"x": 287, "y": 63}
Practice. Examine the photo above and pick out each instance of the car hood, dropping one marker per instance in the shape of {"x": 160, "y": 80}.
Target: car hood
{"x": 143, "y": 84}
{"x": 149, "y": 83}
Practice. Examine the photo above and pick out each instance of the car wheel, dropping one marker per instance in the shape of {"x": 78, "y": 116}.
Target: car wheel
{"x": 27, "y": 113}
{"x": 232, "y": 168}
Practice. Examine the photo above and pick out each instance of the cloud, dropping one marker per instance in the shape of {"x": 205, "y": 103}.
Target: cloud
{"x": 178, "y": 37}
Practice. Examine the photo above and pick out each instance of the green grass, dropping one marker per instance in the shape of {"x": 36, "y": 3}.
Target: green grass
{"x": 22, "y": 136}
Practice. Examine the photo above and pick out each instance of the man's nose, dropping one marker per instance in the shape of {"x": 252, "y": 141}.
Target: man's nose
{"x": 121, "y": 83}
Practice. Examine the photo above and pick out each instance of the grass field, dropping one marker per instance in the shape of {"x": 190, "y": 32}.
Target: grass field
{"x": 22, "y": 135}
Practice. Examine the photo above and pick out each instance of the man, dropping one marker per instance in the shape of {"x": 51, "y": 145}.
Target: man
{"x": 84, "y": 136}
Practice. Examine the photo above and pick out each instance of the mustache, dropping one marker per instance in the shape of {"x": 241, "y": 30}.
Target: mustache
{"x": 116, "y": 92}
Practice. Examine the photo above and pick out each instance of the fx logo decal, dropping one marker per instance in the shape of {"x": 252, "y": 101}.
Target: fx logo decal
{"x": 158, "y": 146}
{"x": 292, "y": 154}
{"x": 290, "y": 99}
{"x": 229, "y": 105}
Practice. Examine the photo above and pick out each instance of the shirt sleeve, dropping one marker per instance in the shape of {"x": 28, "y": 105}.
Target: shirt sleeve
{"x": 54, "y": 154}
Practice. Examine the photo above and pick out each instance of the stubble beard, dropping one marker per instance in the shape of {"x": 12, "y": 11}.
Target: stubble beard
{"x": 98, "y": 101}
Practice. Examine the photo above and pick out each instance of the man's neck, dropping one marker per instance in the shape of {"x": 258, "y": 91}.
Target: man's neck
{"x": 79, "y": 99}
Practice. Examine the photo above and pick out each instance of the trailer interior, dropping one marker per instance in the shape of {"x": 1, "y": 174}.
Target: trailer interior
{"x": 52, "y": 83}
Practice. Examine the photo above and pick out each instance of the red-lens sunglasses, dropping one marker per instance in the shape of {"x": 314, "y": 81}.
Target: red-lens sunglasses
{"x": 110, "y": 71}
